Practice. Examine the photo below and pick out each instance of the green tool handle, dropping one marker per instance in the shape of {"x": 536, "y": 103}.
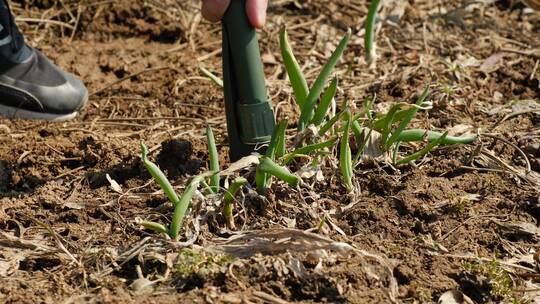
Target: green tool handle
{"x": 250, "y": 119}
{"x": 246, "y": 58}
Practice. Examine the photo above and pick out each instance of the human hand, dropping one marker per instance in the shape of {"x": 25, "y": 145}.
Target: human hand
{"x": 213, "y": 10}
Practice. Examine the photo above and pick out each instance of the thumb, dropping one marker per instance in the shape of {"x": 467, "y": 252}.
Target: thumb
{"x": 213, "y": 10}
{"x": 256, "y": 11}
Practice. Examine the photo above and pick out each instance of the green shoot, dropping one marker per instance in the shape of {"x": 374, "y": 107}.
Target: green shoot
{"x": 281, "y": 148}
{"x": 329, "y": 124}
{"x": 181, "y": 208}
{"x": 211, "y": 76}
{"x": 156, "y": 227}
{"x": 430, "y": 146}
{"x": 307, "y": 108}
{"x": 326, "y": 100}
{"x": 345, "y": 157}
{"x": 213, "y": 159}
{"x": 297, "y": 79}
{"x": 159, "y": 176}
{"x": 388, "y": 120}
{"x": 263, "y": 180}
{"x": 309, "y": 149}
{"x": 332, "y": 121}
{"x": 406, "y": 120}
{"x": 228, "y": 200}
{"x": 362, "y": 148}
{"x": 268, "y": 166}
{"x": 369, "y": 38}
{"x": 395, "y": 152}
{"x": 419, "y": 135}
{"x": 207, "y": 187}
{"x": 357, "y": 129}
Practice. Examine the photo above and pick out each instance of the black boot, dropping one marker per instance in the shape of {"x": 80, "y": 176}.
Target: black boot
{"x": 31, "y": 86}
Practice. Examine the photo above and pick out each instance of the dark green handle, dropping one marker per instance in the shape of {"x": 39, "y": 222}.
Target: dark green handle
{"x": 250, "y": 118}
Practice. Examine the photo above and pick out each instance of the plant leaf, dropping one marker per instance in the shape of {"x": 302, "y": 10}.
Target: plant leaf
{"x": 211, "y": 76}
{"x": 181, "y": 208}
{"x": 213, "y": 159}
{"x": 430, "y": 146}
{"x": 307, "y": 108}
{"x": 406, "y": 120}
{"x": 309, "y": 149}
{"x": 369, "y": 37}
{"x": 156, "y": 227}
{"x": 345, "y": 157}
{"x": 412, "y": 135}
{"x": 326, "y": 100}
{"x": 298, "y": 81}
{"x": 159, "y": 176}
{"x": 268, "y": 166}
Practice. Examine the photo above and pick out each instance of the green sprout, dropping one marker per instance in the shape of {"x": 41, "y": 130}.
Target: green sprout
{"x": 325, "y": 103}
{"x": 332, "y": 121}
{"x": 181, "y": 208}
{"x": 393, "y": 128}
{"x": 268, "y": 166}
{"x": 306, "y": 114}
{"x": 228, "y": 200}
{"x": 430, "y": 146}
{"x": 296, "y": 77}
{"x": 369, "y": 38}
{"x": 413, "y": 135}
{"x": 181, "y": 204}
{"x": 309, "y": 149}
{"x": 409, "y": 114}
{"x": 345, "y": 157}
{"x": 213, "y": 159}
{"x": 211, "y": 76}
{"x": 159, "y": 176}
{"x": 277, "y": 144}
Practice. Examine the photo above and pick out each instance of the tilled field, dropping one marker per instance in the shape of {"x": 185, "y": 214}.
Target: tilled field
{"x": 464, "y": 218}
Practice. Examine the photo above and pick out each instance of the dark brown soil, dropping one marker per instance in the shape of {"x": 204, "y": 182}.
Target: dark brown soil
{"x": 451, "y": 222}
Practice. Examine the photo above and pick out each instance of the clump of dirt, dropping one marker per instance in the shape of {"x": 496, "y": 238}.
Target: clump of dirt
{"x": 5, "y": 176}
{"x": 176, "y": 157}
{"x": 120, "y": 173}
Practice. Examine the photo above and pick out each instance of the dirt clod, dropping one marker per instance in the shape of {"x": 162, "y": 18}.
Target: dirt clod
{"x": 176, "y": 158}
{"x": 5, "y": 176}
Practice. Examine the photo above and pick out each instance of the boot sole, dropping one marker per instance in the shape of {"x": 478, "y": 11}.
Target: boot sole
{"x": 16, "y": 113}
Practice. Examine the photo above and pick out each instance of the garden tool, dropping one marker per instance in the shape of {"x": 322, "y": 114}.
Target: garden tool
{"x": 250, "y": 118}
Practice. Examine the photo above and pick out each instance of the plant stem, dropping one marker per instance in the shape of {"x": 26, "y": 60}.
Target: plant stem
{"x": 266, "y": 165}
{"x": 369, "y": 38}
{"x": 213, "y": 159}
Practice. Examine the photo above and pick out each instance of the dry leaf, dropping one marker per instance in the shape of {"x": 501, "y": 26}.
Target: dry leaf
{"x": 309, "y": 171}
{"x": 10, "y": 263}
{"x": 461, "y": 130}
{"x": 491, "y": 64}
{"x": 522, "y": 228}
{"x": 373, "y": 145}
{"x": 454, "y": 297}
{"x": 114, "y": 185}
{"x": 276, "y": 241}
{"x": 241, "y": 164}
{"x": 524, "y": 259}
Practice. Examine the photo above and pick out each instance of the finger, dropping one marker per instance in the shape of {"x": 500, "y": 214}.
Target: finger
{"x": 213, "y": 10}
{"x": 256, "y": 11}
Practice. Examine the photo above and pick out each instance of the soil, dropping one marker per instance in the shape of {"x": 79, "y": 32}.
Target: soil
{"x": 453, "y": 221}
